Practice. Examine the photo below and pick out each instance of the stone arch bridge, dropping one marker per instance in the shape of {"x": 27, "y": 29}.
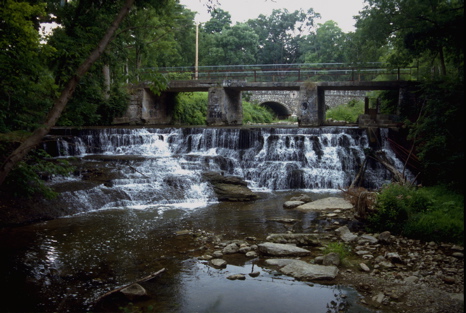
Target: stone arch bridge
{"x": 307, "y": 101}
{"x": 285, "y": 103}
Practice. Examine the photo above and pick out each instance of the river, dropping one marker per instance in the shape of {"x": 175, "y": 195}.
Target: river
{"x": 146, "y": 187}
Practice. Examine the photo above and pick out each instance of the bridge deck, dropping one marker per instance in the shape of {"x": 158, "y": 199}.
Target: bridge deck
{"x": 205, "y": 85}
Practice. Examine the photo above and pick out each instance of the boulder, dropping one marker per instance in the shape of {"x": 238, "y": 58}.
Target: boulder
{"x": 237, "y": 277}
{"x": 385, "y": 237}
{"x": 218, "y": 262}
{"x": 345, "y": 234}
{"x": 229, "y": 188}
{"x": 279, "y": 249}
{"x": 134, "y": 291}
{"x": 231, "y": 248}
{"x": 251, "y": 254}
{"x": 331, "y": 258}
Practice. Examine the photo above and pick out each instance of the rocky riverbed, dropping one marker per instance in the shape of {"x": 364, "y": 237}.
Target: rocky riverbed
{"x": 391, "y": 273}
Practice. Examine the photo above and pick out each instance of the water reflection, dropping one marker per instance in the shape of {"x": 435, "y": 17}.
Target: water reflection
{"x": 64, "y": 265}
{"x": 210, "y": 291}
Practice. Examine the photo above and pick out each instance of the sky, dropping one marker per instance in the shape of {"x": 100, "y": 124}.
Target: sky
{"x": 340, "y": 11}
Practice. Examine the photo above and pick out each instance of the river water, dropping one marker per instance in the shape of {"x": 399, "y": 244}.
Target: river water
{"x": 136, "y": 188}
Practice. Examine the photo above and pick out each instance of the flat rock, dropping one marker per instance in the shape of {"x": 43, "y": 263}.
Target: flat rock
{"x": 303, "y": 270}
{"x": 330, "y": 203}
{"x": 297, "y": 238}
{"x": 367, "y": 238}
{"x": 303, "y": 198}
{"x": 292, "y": 204}
{"x": 279, "y": 249}
{"x": 279, "y": 262}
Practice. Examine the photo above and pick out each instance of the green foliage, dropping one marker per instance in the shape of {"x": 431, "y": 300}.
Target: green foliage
{"x": 27, "y": 179}
{"x": 392, "y": 208}
{"x": 281, "y": 34}
{"x": 191, "y": 108}
{"x": 325, "y": 46}
{"x": 348, "y": 112}
{"x": 439, "y": 133}
{"x": 219, "y": 21}
{"x": 234, "y": 45}
{"x": 112, "y": 107}
{"x": 339, "y": 248}
{"x": 429, "y": 213}
{"x": 256, "y": 114}
{"x": 25, "y": 83}
{"x": 416, "y": 30}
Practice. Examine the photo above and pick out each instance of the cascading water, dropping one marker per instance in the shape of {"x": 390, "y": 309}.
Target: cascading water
{"x": 150, "y": 167}
{"x": 141, "y": 185}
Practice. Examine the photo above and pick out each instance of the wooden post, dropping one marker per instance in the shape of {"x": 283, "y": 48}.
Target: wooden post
{"x": 196, "y": 66}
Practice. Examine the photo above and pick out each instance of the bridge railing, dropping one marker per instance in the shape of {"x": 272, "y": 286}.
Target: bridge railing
{"x": 292, "y": 72}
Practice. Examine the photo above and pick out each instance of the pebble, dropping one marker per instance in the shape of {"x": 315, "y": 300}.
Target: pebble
{"x": 218, "y": 262}
{"x": 364, "y": 267}
{"x": 237, "y": 277}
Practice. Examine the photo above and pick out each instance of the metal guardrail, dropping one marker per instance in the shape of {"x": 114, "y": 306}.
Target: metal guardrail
{"x": 291, "y": 72}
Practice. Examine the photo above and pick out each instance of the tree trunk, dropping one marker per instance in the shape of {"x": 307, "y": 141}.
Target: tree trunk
{"x": 107, "y": 81}
{"x": 60, "y": 104}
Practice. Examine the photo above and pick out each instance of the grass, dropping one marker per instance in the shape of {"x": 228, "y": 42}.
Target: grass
{"x": 339, "y": 248}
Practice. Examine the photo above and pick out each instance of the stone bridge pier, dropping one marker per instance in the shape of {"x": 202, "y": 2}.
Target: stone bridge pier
{"x": 224, "y": 107}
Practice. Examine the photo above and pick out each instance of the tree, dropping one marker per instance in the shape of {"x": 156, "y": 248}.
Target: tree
{"x": 101, "y": 94}
{"x": 219, "y": 20}
{"x": 25, "y": 82}
{"x": 280, "y": 35}
{"x": 416, "y": 30}
{"x": 59, "y": 105}
{"x": 233, "y": 46}
{"x": 358, "y": 49}
{"x": 325, "y": 46}
{"x": 428, "y": 34}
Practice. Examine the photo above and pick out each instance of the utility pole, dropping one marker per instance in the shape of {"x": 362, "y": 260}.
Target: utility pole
{"x": 197, "y": 52}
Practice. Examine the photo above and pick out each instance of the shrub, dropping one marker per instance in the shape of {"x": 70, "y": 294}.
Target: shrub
{"x": 28, "y": 177}
{"x": 442, "y": 221}
{"x": 348, "y": 112}
{"x": 254, "y": 113}
{"x": 191, "y": 108}
{"x": 429, "y": 213}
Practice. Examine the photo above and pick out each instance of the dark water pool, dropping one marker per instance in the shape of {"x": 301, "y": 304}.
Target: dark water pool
{"x": 65, "y": 265}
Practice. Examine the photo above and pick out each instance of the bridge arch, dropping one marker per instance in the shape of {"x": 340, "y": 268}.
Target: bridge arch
{"x": 281, "y": 110}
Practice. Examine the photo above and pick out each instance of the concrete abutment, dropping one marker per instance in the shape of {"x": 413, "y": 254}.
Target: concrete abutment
{"x": 224, "y": 107}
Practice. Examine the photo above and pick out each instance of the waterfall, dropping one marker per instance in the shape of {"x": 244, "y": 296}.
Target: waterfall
{"x": 157, "y": 167}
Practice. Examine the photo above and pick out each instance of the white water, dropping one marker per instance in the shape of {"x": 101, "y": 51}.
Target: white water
{"x": 157, "y": 168}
